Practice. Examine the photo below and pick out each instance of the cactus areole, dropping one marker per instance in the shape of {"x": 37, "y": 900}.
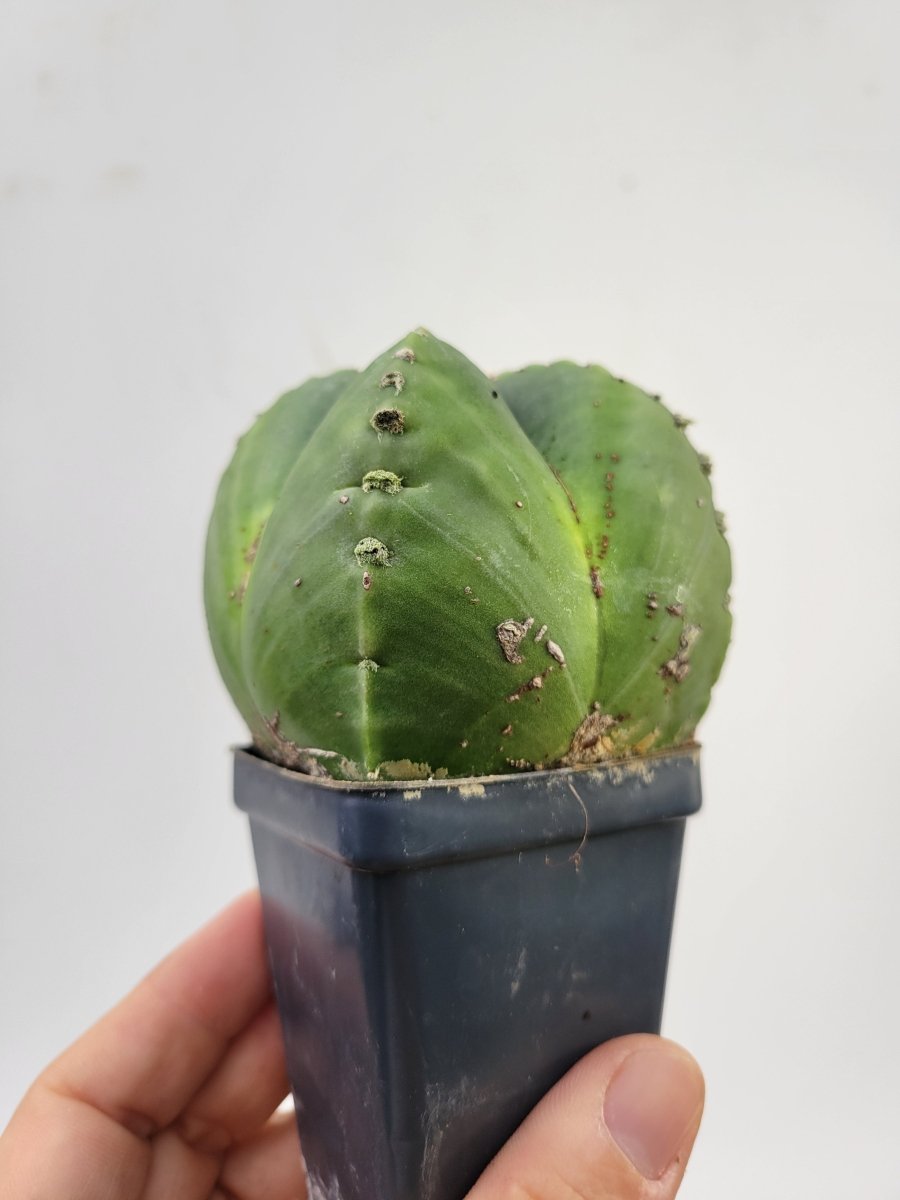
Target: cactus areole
{"x": 415, "y": 571}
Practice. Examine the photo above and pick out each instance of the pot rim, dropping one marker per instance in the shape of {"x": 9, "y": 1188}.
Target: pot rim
{"x": 402, "y": 824}
{"x": 618, "y": 769}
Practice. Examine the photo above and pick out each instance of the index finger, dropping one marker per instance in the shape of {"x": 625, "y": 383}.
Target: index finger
{"x": 143, "y": 1061}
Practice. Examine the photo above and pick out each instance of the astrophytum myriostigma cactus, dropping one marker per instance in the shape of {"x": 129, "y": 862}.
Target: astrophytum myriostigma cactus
{"x": 417, "y": 571}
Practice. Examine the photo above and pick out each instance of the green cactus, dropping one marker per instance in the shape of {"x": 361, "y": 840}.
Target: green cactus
{"x": 414, "y": 571}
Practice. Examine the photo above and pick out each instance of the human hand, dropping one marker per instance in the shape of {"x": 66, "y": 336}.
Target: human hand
{"x": 171, "y": 1096}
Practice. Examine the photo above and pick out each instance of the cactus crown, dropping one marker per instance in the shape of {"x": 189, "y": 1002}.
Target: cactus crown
{"x": 414, "y": 571}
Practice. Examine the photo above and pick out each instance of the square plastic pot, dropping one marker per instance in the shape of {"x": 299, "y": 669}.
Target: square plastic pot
{"x": 443, "y": 952}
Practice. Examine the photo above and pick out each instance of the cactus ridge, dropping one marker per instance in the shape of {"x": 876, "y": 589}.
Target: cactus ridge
{"x": 247, "y": 494}
{"x": 656, "y": 558}
{"x": 533, "y": 574}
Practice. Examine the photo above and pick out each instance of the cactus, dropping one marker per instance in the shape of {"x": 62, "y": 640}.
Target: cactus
{"x": 414, "y": 571}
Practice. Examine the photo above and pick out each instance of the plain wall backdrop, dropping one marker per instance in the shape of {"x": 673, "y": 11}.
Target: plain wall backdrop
{"x": 202, "y": 204}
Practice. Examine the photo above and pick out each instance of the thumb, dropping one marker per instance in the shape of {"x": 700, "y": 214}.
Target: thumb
{"x": 619, "y": 1126}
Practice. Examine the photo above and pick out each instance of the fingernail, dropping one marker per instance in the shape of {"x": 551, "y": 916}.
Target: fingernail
{"x": 652, "y": 1102}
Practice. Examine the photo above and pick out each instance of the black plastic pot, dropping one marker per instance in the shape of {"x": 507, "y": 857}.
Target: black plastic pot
{"x": 443, "y": 952}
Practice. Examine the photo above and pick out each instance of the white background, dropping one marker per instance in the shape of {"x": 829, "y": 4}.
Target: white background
{"x": 204, "y": 203}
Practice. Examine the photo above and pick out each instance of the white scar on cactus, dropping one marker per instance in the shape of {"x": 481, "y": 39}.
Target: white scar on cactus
{"x": 393, "y": 379}
{"x": 556, "y": 652}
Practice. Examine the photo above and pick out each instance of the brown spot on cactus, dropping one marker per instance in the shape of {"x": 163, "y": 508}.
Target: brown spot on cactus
{"x": 596, "y": 583}
{"x": 285, "y": 751}
{"x": 393, "y": 379}
{"x": 297, "y": 583}
{"x": 406, "y": 354}
{"x": 510, "y": 634}
{"x": 519, "y": 504}
{"x": 506, "y": 730}
{"x": 366, "y": 581}
{"x": 241, "y": 590}
{"x": 705, "y": 464}
{"x": 646, "y": 743}
{"x": 372, "y": 553}
{"x": 382, "y": 481}
{"x": 675, "y": 610}
{"x": 388, "y": 420}
{"x": 343, "y": 499}
{"x": 590, "y": 743}
{"x": 678, "y": 668}
{"x": 531, "y": 685}
{"x": 252, "y": 550}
